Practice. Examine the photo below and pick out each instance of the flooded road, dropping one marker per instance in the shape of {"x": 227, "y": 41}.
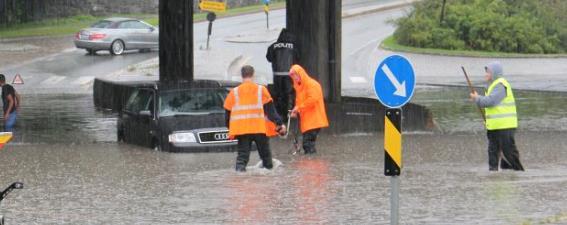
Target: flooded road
{"x": 74, "y": 173}
{"x": 453, "y": 113}
{"x": 63, "y": 119}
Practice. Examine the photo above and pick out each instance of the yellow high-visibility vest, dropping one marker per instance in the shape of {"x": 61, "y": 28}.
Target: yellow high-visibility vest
{"x": 503, "y": 115}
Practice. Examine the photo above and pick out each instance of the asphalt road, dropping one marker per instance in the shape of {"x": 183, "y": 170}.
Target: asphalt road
{"x": 243, "y": 40}
{"x": 235, "y": 41}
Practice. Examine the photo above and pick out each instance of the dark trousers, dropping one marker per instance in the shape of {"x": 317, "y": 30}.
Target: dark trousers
{"x": 245, "y": 145}
{"x": 502, "y": 142}
{"x": 309, "y": 138}
{"x": 283, "y": 95}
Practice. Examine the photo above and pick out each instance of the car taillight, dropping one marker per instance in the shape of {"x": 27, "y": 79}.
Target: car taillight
{"x": 78, "y": 35}
{"x": 96, "y": 36}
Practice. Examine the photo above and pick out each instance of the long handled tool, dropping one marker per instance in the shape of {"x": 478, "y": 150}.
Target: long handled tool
{"x": 296, "y": 147}
{"x": 288, "y": 122}
{"x": 471, "y": 88}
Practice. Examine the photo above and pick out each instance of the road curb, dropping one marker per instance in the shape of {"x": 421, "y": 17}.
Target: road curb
{"x": 471, "y": 54}
{"x": 368, "y": 10}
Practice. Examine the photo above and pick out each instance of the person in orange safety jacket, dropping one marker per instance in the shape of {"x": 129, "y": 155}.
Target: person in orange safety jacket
{"x": 309, "y": 105}
{"x": 246, "y": 108}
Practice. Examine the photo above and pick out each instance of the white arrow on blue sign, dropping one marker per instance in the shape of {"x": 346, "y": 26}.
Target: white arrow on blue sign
{"x": 394, "y": 81}
{"x": 266, "y": 1}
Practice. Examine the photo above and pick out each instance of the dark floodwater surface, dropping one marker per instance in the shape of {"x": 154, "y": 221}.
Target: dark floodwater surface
{"x": 74, "y": 173}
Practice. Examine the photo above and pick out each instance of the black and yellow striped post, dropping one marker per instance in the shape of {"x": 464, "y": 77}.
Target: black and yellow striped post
{"x": 393, "y": 142}
{"x": 393, "y": 158}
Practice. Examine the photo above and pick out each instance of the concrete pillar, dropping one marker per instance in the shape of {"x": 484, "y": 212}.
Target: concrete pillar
{"x": 317, "y": 26}
{"x": 175, "y": 40}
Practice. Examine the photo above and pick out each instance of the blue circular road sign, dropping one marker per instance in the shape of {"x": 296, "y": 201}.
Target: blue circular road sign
{"x": 394, "y": 81}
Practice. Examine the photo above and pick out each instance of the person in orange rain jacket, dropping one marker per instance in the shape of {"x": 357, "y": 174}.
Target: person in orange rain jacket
{"x": 309, "y": 105}
{"x": 246, "y": 107}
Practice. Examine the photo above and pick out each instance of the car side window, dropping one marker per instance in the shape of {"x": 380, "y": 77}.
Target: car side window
{"x": 138, "y": 25}
{"x": 101, "y": 24}
{"x": 125, "y": 25}
{"x": 140, "y": 100}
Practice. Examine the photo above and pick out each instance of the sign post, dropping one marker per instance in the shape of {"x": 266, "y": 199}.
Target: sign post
{"x": 211, "y": 16}
{"x": 211, "y": 7}
{"x": 394, "y": 83}
{"x": 267, "y": 11}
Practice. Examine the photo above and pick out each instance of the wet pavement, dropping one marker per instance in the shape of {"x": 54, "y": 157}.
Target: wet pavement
{"x": 74, "y": 173}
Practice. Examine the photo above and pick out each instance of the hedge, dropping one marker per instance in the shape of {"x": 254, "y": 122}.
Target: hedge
{"x": 519, "y": 26}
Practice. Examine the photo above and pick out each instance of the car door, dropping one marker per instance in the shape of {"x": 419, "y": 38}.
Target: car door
{"x": 149, "y": 34}
{"x": 138, "y": 117}
{"x": 129, "y": 34}
{"x": 141, "y": 33}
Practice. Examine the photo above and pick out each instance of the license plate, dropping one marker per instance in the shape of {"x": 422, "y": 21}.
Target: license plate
{"x": 214, "y": 137}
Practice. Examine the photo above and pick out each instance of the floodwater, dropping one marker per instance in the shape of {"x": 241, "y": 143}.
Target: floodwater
{"x": 74, "y": 173}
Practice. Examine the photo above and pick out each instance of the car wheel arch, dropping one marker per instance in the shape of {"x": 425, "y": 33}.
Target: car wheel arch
{"x": 124, "y": 48}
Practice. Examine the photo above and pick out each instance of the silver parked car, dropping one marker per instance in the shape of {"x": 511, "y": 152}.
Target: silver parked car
{"x": 117, "y": 35}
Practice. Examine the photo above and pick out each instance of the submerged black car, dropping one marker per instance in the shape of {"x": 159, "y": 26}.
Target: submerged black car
{"x": 187, "y": 117}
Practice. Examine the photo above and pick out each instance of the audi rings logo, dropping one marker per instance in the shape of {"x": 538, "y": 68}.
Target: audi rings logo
{"x": 221, "y": 136}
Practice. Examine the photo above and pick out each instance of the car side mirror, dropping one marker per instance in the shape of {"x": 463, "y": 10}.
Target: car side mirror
{"x": 145, "y": 113}
{"x": 152, "y": 29}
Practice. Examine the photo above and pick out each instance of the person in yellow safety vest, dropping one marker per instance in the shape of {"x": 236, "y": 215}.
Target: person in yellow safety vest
{"x": 246, "y": 108}
{"x": 309, "y": 105}
{"x": 501, "y": 119}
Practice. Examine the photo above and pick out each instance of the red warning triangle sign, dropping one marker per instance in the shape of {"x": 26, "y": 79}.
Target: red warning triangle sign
{"x": 18, "y": 79}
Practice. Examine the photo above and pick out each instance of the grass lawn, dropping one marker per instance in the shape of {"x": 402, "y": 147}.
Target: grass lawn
{"x": 68, "y": 26}
{"x": 391, "y": 45}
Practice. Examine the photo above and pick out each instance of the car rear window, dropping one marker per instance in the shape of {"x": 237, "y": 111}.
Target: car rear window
{"x": 102, "y": 24}
{"x": 191, "y": 101}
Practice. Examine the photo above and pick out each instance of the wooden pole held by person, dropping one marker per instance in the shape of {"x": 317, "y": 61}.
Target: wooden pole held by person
{"x": 472, "y": 90}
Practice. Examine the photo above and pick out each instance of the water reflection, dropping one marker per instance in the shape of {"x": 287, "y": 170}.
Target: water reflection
{"x": 312, "y": 185}
{"x": 292, "y": 194}
{"x": 252, "y": 199}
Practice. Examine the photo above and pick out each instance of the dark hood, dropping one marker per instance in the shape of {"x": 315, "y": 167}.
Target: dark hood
{"x": 286, "y": 36}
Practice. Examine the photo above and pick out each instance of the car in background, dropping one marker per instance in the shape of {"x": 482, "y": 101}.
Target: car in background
{"x": 117, "y": 35}
{"x": 181, "y": 117}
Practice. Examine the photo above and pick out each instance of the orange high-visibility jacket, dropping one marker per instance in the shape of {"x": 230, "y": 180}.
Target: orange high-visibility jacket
{"x": 309, "y": 101}
{"x": 246, "y": 106}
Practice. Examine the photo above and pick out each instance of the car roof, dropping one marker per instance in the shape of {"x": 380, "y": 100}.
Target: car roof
{"x": 178, "y": 85}
{"x": 196, "y": 84}
{"x": 118, "y": 19}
